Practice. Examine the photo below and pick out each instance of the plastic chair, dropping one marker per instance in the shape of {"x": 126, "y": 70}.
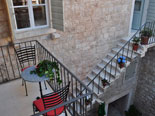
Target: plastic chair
{"x": 50, "y": 100}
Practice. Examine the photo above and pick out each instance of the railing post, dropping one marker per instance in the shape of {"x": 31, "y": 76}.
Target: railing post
{"x": 73, "y": 108}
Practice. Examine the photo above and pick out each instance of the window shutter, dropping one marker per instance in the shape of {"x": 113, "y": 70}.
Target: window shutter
{"x": 57, "y": 14}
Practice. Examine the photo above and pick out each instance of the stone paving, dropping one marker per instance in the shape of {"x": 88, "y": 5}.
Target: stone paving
{"x": 13, "y": 101}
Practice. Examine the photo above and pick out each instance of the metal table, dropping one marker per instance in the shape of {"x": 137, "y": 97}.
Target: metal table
{"x": 33, "y": 77}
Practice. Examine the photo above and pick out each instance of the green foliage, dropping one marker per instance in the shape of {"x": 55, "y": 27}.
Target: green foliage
{"x": 146, "y": 32}
{"x": 132, "y": 111}
{"x": 101, "y": 110}
{"x": 136, "y": 40}
{"x": 48, "y": 69}
{"x": 104, "y": 81}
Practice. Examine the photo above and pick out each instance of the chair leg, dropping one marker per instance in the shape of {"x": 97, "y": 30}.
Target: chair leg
{"x": 45, "y": 85}
{"x": 65, "y": 113}
{"x": 22, "y": 82}
{"x": 25, "y": 88}
{"x": 33, "y": 108}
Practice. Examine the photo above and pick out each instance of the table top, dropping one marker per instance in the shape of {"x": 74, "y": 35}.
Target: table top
{"x": 32, "y": 77}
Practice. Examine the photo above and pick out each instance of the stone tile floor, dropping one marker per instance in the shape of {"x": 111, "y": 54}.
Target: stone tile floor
{"x": 13, "y": 101}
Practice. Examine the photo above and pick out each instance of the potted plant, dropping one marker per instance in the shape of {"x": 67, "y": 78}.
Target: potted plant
{"x": 146, "y": 33}
{"x": 121, "y": 61}
{"x": 104, "y": 82}
{"x": 101, "y": 109}
{"x": 49, "y": 69}
{"x": 87, "y": 101}
{"x": 135, "y": 44}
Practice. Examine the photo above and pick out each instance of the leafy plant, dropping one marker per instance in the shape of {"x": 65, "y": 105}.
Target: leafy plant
{"x": 104, "y": 81}
{"x": 101, "y": 109}
{"x": 121, "y": 59}
{"x": 132, "y": 111}
{"x": 146, "y": 32}
{"x": 136, "y": 40}
{"x": 49, "y": 69}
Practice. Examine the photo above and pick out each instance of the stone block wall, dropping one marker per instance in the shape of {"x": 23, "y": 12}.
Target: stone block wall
{"x": 4, "y": 26}
{"x": 92, "y": 28}
{"x": 145, "y": 93}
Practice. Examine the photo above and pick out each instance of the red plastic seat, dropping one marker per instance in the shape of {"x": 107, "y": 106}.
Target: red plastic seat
{"x": 40, "y": 106}
{"x": 25, "y": 68}
{"x": 50, "y": 100}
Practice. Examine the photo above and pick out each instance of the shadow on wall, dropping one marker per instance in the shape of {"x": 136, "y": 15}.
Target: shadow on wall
{"x": 145, "y": 92}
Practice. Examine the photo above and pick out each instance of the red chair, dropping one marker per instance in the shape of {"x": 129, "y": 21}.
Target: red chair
{"x": 50, "y": 100}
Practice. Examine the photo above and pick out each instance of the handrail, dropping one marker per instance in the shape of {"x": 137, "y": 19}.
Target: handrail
{"x": 13, "y": 72}
{"x": 143, "y": 26}
{"x": 86, "y": 87}
{"x": 63, "y": 104}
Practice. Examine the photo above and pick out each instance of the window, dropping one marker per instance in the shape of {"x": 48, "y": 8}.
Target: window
{"x": 30, "y": 13}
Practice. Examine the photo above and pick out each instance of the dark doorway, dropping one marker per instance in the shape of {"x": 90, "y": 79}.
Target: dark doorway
{"x": 118, "y": 107}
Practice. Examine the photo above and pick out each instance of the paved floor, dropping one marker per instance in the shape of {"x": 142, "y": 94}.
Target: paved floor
{"x": 13, "y": 101}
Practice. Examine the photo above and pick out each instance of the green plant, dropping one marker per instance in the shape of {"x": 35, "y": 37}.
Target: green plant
{"x": 49, "y": 69}
{"x": 132, "y": 111}
{"x": 101, "y": 109}
{"x": 146, "y": 32}
{"x": 136, "y": 40}
{"x": 104, "y": 81}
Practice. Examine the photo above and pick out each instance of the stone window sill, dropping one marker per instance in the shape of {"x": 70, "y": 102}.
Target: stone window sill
{"x": 34, "y": 33}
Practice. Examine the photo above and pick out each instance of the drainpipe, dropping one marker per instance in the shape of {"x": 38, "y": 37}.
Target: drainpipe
{"x": 131, "y": 17}
{"x": 9, "y": 22}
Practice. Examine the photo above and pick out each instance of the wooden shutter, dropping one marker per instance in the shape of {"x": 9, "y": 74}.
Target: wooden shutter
{"x": 57, "y": 14}
{"x": 151, "y": 11}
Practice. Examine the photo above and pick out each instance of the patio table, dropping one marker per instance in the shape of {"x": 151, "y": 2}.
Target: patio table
{"x": 33, "y": 77}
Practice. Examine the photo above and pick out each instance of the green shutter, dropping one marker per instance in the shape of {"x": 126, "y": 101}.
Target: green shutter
{"x": 151, "y": 11}
{"x": 57, "y": 14}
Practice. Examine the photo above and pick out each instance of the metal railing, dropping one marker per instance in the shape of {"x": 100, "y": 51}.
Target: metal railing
{"x": 112, "y": 65}
{"x": 10, "y": 70}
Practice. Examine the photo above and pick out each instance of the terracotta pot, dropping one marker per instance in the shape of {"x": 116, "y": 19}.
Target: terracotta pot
{"x": 135, "y": 47}
{"x": 104, "y": 84}
{"x": 144, "y": 40}
{"x": 121, "y": 65}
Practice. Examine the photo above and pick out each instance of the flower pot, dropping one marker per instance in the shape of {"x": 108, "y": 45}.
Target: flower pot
{"x": 104, "y": 84}
{"x": 144, "y": 40}
{"x": 121, "y": 65}
{"x": 87, "y": 102}
{"x": 135, "y": 47}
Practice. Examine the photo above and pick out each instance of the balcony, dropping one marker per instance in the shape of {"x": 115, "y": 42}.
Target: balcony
{"x": 13, "y": 100}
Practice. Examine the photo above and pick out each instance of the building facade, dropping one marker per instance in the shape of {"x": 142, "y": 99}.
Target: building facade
{"x": 80, "y": 33}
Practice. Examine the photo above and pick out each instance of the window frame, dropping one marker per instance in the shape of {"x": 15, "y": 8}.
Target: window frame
{"x": 31, "y": 15}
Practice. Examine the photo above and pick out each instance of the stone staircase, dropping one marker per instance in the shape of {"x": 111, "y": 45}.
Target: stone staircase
{"x": 112, "y": 71}
{"x": 108, "y": 67}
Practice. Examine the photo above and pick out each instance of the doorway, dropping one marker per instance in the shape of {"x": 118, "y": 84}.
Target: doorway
{"x": 118, "y": 107}
{"x": 137, "y": 14}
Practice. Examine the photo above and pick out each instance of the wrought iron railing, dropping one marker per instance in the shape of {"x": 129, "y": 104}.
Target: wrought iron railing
{"x": 126, "y": 51}
{"x": 10, "y": 70}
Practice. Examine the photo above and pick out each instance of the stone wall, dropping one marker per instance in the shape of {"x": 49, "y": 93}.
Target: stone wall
{"x": 145, "y": 93}
{"x": 92, "y": 28}
{"x": 4, "y": 26}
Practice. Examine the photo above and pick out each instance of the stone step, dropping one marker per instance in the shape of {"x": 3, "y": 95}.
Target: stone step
{"x": 140, "y": 48}
{"x": 98, "y": 82}
{"x": 111, "y": 55}
{"x": 114, "y": 64}
{"x": 103, "y": 75}
{"x": 129, "y": 47}
{"x": 108, "y": 69}
{"x": 128, "y": 54}
{"x": 92, "y": 86}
